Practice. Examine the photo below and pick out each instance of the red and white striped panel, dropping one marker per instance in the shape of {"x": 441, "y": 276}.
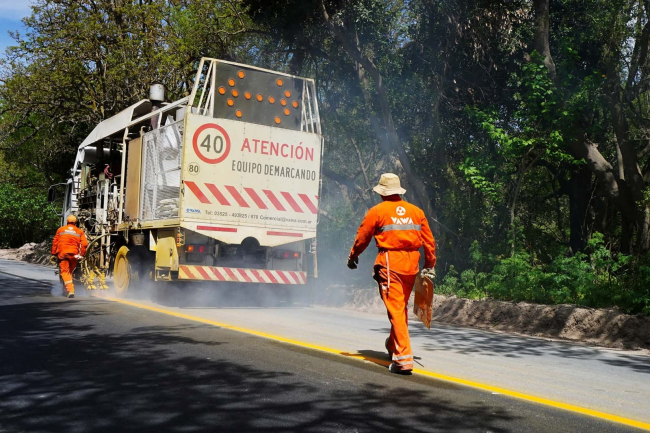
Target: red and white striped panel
{"x": 264, "y": 276}
{"x": 228, "y": 195}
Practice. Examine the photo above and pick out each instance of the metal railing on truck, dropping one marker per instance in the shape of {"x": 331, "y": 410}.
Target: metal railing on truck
{"x": 222, "y": 88}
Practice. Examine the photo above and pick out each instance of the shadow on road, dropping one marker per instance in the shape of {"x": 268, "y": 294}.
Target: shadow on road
{"x": 14, "y": 287}
{"x": 68, "y": 366}
{"x": 470, "y": 341}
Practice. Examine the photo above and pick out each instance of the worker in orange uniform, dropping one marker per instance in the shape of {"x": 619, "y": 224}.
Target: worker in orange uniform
{"x": 69, "y": 247}
{"x": 399, "y": 229}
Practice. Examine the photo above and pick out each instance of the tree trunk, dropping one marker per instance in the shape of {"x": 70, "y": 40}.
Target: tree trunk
{"x": 361, "y": 164}
{"x": 578, "y": 202}
{"x": 643, "y": 240}
{"x": 632, "y": 172}
{"x": 541, "y": 38}
{"x": 626, "y": 235}
{"x": 620, "y": 99}
{"x": 350, "y": 184}
{"x": 513, "y": 206}
{"x": 597, "y": 164}
{"x": 619, "y": 162}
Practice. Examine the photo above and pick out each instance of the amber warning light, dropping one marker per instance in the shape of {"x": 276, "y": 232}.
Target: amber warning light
{"x": 284, "y": 254}
{"x": 196, "y": 249}
{"x": 260, "y": 91}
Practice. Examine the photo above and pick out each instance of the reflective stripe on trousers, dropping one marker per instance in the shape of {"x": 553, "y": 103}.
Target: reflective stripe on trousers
{"x": 66, "y": 268}
{"x": 404, "y": 361}
{"x": 400, "y": 358}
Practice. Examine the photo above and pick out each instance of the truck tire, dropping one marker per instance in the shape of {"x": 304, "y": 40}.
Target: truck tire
{"x": 126, "y": 271}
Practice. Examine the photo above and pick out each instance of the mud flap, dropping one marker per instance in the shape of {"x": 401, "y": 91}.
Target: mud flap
{"x": 423, "y": 302}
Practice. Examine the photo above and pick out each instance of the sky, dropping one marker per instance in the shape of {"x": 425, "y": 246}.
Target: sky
{"x": 11, "y": 12}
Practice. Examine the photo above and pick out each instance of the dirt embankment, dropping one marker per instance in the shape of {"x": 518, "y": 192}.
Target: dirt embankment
{"x": 604, "y": 327}
{"x": 31, "y": 253}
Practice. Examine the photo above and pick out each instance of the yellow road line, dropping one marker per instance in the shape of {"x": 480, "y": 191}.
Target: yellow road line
{"x": 456, "y": 380}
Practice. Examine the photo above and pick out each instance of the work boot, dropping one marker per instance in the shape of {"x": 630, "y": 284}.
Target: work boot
{"x": 395, "y": 369}
{"x": 390, "y": 352}
{"x": 70, "y": 295}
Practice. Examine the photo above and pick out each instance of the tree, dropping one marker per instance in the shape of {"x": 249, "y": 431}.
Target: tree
{"x": 83, "y": 61}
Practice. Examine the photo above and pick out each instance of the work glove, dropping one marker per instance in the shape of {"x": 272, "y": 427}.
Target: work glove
{"x": 78, "y": 256}
{"x": 352, "y": 262}
{"x": 54, "y": 259}
{"x": 430, "y": 273}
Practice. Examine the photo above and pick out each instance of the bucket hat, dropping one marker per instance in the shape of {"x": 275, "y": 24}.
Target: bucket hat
{"x": 389, "y": 184}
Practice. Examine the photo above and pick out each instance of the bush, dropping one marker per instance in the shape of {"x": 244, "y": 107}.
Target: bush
{"x": 25, "y": 216}
{"x": 594, "y": 280}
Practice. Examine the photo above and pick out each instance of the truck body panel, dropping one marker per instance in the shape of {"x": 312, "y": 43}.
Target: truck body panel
{"x": 260, "y": 181}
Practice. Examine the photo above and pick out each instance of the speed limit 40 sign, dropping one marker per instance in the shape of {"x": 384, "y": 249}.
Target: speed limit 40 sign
{"x": 211, "y": 143}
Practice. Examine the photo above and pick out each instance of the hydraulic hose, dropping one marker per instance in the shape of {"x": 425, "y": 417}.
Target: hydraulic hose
{"x": 82, "y": 262}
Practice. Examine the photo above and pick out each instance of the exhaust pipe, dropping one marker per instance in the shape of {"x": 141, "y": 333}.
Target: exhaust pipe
{"x": 157, "y": 93}
{"x": 157, "y": 97}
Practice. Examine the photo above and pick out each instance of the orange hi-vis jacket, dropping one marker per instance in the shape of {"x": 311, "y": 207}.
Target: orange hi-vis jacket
{"x": 400, "y": 229}
{"x": 69, "y": 241}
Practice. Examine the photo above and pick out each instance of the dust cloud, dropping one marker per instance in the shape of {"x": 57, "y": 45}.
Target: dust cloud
{"x": 216, "y": 294}
{"x": 337, "y": 292}
{"x": 56, "y": 289}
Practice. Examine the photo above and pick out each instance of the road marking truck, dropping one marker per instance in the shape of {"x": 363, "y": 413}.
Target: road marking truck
{"x": 222, "y": 185}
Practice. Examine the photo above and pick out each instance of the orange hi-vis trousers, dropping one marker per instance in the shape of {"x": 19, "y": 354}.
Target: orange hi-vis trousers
{"x": 395, "y": 290}
{"x": 66, "y": 267}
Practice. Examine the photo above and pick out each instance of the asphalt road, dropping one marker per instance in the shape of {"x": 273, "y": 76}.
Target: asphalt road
{"x": 89, "y": 364}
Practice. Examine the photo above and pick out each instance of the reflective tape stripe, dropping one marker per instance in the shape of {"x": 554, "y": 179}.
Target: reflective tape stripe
{"x": 242, "y": 275}
{"x": 67, "y": 282}
{"x": 70, "y": 234}
{"x": 400, "y": 227}
{"x": 397, "y": 358}
{"x": 401, "y": 363}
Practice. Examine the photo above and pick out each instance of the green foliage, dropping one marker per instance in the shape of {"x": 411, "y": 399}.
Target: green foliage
{"x": 595, "y": 280}
{"x": 473, "y": 170}
{"x": 25, "y": 216}
{"x": 534, "y": 130}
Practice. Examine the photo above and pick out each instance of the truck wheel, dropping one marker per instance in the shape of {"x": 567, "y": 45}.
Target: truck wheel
{"x": 125, "y": 271}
